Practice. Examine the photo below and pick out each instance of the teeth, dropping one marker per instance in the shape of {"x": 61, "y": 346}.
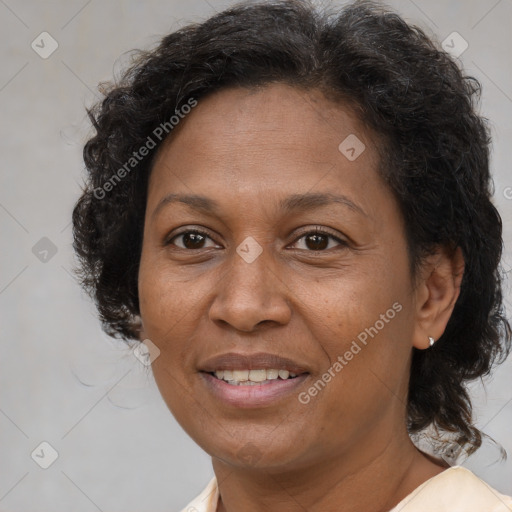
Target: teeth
{"x": 272, "y": 374}
{"x": 258, "y": 375}
{"x": 241, "y": 375}
{"x": 252, "y": 377}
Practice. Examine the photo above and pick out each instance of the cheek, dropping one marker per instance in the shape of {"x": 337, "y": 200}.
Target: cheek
{"x": 345, "y": 305}
{"x": 169, "y": 315}
{"x": 166, "y": 308}
{"x": 362, "y": 323}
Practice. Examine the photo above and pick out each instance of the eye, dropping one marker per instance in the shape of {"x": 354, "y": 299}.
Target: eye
{"x": 313, "y": 240}
{"x": 190, "y": 239}
{"x": 318, "y": 240}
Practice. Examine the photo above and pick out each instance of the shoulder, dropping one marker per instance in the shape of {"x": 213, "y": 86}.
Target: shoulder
{"x": 206, "y": 501}
{"x": 456, "y": 489}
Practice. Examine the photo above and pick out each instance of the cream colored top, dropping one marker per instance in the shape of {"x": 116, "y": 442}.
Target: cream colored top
{"x": 456, "y": 489}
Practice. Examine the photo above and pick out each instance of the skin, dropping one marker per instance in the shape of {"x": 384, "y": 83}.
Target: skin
{"x": 347, "y": 449}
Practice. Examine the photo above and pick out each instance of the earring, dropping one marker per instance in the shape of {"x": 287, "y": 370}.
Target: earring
{"x": 431, "y": 340}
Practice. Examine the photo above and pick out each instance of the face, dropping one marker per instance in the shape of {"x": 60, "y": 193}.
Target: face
{"x": 264, "y": 240}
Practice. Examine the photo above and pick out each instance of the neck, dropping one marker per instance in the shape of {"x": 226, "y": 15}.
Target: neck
{"x": 374, "y": 478}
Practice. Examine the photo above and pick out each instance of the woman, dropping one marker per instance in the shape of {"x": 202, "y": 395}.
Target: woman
{"x": 291, "y": 208}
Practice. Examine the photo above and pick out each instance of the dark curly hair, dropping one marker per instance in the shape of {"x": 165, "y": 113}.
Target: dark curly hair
{"x": 434, "y": 155}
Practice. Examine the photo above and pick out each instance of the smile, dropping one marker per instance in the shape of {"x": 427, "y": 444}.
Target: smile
{"x": 246, "y": 394}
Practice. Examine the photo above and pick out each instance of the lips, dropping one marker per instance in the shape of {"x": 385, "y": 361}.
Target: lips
{"x": 257, "y": 361}
{"x": 260, "y": 395}
{"x": 245, "y": 394}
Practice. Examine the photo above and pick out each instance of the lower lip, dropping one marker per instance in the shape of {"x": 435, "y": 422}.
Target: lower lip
{"x": 247, "y": 396}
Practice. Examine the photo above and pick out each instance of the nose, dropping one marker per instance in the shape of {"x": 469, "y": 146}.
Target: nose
{"x": 250, "y": 294}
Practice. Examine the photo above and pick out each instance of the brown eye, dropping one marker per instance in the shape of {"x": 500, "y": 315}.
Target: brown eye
{"x": 191, "y": 239}
{"x": 319, "y": 240}
{"x": 316, "y": 242}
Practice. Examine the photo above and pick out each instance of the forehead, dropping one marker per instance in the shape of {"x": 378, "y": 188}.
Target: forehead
{"x": 231, "y": 116}
{"x": 266, "y": 142}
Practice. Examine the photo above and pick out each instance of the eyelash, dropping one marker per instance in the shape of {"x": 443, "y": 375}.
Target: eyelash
{"x": 315, "y": 231}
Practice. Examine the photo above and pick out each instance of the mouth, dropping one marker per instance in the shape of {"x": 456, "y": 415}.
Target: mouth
{"x": 252, "y": 380}
{"x": 243, "y": 393}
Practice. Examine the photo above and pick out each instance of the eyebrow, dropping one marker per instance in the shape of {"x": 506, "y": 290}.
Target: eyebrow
{"x": 308, "y": 201}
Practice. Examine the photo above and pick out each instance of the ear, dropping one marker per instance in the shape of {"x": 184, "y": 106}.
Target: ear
{"x": 436, "y": 293}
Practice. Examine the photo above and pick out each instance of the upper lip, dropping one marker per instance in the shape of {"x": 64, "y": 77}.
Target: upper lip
{"x": 257, "y": 361}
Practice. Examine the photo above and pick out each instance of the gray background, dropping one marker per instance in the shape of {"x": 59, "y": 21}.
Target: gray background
{"x": 61, "y": 379}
